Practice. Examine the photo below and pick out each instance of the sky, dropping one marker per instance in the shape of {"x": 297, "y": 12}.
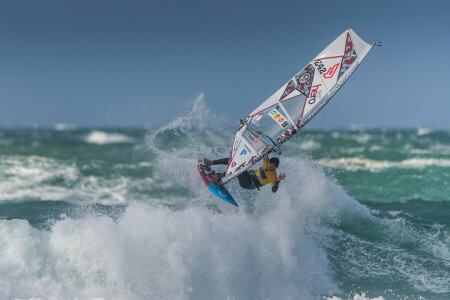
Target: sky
{"x": 141, "y": 63}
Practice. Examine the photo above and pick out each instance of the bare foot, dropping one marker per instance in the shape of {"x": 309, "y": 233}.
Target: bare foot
{"x": 207, "y": 162}
{"x": 218, "y": 176}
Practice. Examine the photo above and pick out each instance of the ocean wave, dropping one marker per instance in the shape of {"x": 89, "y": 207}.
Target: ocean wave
{"x": 104, "y": 138}
{"x": 277, "y": 251}
{"x": 37, "y": 178}
{"x": 155, "y": 252}
{"x": 424, "y": 131}
{"x": 322, "y": 207}
{"x": 65, "y": 127}
{"x": 362, "y": 138}
{"x": 309, "y": 145}
{"x": 305, "y": 145}
{"x": 356, "y": 163}
{"x": 310, "y": 240}
{"x": 23, "y": 177}
{"x": 356, "y": 296}
{"x": 389, "y": 257}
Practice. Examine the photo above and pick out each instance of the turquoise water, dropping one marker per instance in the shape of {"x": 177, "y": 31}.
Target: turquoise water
{"x": 122, "y": 213}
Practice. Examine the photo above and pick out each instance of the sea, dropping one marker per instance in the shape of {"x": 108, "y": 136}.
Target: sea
{"x": 122, "y": 213}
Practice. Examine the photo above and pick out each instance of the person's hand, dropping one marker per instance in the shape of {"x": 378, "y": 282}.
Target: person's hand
{"x": 282, "y": 176}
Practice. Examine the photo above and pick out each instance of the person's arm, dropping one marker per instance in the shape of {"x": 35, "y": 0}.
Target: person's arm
{"x": 277, "y": 182}
{"x": 265, "y": 162}
{"x": 275, "y": 186}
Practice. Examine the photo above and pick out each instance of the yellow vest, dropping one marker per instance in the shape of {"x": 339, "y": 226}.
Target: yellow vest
{"x": 265, "y": 176}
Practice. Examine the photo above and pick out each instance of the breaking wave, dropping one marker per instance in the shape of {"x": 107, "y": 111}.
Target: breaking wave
{"x": 310, "y": 240}
{"x": 104, "y": 138}
{"x": 356, "y": 163}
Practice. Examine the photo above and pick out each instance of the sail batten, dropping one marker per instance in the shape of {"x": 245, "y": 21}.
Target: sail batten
{"x": 289, "y": 109}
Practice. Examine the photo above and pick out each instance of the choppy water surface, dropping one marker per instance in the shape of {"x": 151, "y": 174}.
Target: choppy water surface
{"x": 122, "y": 213}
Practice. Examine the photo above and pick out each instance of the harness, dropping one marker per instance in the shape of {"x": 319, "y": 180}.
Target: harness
{"x": 255, "y": 181}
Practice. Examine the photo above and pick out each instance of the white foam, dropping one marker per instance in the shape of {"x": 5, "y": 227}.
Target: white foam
{"x": 104, "y": 138}
{"x": 374, "y": 148}
{"x": 65, "y": 127}
{"x": 24, "y": 177}
{"x": 424, "y": 131}
{"x": 32, "y": 177}
{"x": 357, "y": 127}
{"x": 355, "y": 297}
{"x": 363, "y": 138}
{"x": 356, "y": 163}
{"x": 425, "y": 162}
{"x": 152, "y": 252}
{"x": 175, "y": 160}
{"x": 441, "y": 149}
{"x": 155, "y": 252}
{"x": 309, "y": 145}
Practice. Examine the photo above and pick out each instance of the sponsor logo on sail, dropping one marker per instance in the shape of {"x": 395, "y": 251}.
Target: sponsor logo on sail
{"x": 331, "y": 71}
{"x": 314, "y": 92}
{"x": 256, "y": 119}
{"x": 236, "y": 145}
{"x": 320, "y": 66}
{"x": 279, "y": 118}
{"x": 246, "y": 150}
{"x": 251, "y": 136}
{"x": 304, "y": 78}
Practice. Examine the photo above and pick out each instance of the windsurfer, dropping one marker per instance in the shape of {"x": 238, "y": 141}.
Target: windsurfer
{"x": 254, "y": 179}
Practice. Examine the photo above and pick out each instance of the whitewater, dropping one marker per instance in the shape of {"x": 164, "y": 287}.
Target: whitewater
{"x": 123, "y": 214}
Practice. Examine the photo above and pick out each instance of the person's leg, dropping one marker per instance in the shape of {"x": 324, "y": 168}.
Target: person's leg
{"x": 245, "y": 181}
{"x": 210, "y": 162}
{"x": 222, "y": 161}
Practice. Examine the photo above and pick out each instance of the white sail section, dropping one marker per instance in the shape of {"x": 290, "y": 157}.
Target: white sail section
{"x": 296, "y": 102}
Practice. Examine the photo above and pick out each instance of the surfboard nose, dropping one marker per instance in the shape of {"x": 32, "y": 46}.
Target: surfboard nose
{"x": 222, "y": 193}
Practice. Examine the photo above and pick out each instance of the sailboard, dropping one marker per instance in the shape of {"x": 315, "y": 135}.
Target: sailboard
{"x": 284, "y": 113}
{"x": 213, "y": 184}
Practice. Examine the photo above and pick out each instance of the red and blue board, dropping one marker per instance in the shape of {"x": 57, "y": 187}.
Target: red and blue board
{"x": 213, "y": 184}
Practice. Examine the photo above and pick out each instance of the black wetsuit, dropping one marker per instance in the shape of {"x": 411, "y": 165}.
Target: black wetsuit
{"x": 246, "y": 179}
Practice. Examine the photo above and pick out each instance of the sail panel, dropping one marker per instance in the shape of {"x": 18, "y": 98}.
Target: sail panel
{"x": 302, "y": 97}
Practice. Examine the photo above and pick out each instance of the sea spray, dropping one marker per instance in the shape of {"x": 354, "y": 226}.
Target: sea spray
{"x": 132, "y": 219}
{"x": 156, "y": 252}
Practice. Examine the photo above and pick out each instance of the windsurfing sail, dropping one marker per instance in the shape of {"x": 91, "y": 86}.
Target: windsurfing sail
{"x": 295, "y": 103}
